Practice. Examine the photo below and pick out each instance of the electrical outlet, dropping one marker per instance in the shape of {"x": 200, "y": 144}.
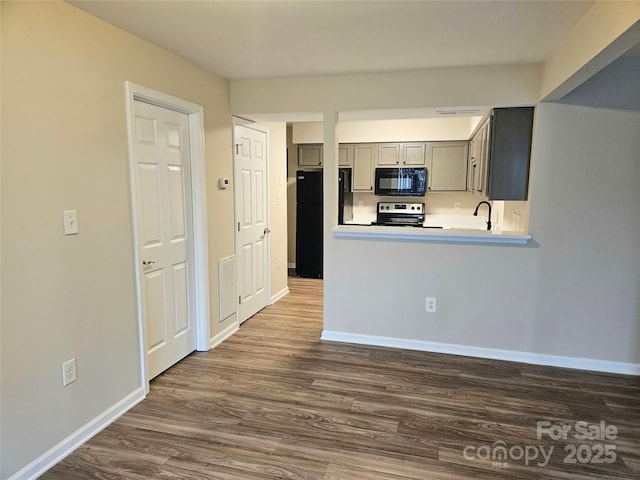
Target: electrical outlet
{"x": 431, "y": 305}
{"x": 456, "y": 205}
{"x": 69, "y": 372}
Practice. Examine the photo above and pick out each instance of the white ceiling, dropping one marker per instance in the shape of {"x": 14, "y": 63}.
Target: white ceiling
{"x": 264, "y": 39}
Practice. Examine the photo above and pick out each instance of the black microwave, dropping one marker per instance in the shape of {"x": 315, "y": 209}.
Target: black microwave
{"x": 408, "y": 182}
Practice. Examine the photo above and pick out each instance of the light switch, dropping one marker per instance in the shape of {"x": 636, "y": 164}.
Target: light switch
{"x": 70, "y": 218}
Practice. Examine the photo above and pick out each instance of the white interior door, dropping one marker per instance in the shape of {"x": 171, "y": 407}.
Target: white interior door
{"x": 164, "y": 234}
{"x": 251, "y": 219}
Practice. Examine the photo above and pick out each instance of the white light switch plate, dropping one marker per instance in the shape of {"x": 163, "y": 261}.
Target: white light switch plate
{"x": 70, "y": 218}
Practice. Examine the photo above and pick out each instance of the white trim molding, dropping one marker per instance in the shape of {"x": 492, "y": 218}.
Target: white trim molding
{"x": 223, "y": 335}
{"x": 282, "y": 293}
{"x": 591, "y": 364}
{"x": 200, "y": 292}
{"x": 48, "y": 459}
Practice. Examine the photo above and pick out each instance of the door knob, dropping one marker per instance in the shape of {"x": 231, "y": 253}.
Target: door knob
{"x": 264, "y": 232}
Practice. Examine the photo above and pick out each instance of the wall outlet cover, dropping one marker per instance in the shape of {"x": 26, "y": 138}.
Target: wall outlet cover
{"x": 431, "y": 305}
{"x": 69, "y": 372}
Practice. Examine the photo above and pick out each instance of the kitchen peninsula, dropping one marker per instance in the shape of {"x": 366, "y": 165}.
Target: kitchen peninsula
{"x": 427, "y": 234}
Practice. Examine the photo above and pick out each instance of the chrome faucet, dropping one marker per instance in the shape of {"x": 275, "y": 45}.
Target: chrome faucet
{"x": 489, "y": 220}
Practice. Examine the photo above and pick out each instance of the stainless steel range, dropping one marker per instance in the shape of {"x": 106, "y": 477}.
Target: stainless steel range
{"x": 400, "y": 214}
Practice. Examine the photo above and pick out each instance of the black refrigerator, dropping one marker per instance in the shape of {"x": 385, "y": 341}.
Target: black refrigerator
{"x": 309, "y": 224}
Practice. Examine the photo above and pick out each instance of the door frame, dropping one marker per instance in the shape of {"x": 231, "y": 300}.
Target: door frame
{"x": 199, "y": 290}
{"x": 242, "y": 122}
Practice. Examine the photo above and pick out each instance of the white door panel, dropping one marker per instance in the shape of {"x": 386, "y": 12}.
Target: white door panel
{"x": 163, "y": 210}
{"x": 181, "y": 296}
{"x": 251, "y": 217}
{"x": 246, "y": 201}
{"x": 155, "y": 331}
{"x": 259, "y": 208}
{"x": 145, "y": 130}
{"x": 259, "y": 267}
{"x": 246, "y": 268}
{"x": 176, "y": 203}
{"x": 150, "y": 203}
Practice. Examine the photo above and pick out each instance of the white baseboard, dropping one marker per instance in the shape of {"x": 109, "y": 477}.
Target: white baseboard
{"x": 223, "y": 335}
{"x": 492, "y": 353}
{"x": 48, "y": 459}
{"x": 282, "y": 293}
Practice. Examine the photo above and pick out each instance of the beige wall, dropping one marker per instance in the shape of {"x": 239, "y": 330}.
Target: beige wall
{"x": 504, "y": 85}
{"x": 64, "y": 146}
{"x": 399, "y": 130}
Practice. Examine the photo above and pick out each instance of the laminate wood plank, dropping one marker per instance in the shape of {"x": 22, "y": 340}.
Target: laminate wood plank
{"x": 363, "y": 456}
{"x": 274, "y": 402}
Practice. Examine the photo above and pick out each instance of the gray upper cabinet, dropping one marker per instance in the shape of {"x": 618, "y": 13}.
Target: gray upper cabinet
{"x": 389, "y": 154}
{"x": 447, "y": 166}
{"x": 499, "y": 154}
{"x": 472, "y": 164}
{"x": 364, "y": 161}
{"x": 481, "y": 166}
{"x": 510, "y": 153}
{"x": 402, "y": 154}
{"x": 414, "y": 154}
{"x": 345, "y": 155}
{"x": 310, "y": 155}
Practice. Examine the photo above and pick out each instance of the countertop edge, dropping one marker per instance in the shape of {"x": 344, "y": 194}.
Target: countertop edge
{"x": 397, "y": 233}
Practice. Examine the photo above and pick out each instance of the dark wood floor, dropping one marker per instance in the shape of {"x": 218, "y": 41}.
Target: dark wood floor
{"x": 273, "y": 402}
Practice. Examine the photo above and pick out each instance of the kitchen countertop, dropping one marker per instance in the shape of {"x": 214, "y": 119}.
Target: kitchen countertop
{"x": 455, "y": 228}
